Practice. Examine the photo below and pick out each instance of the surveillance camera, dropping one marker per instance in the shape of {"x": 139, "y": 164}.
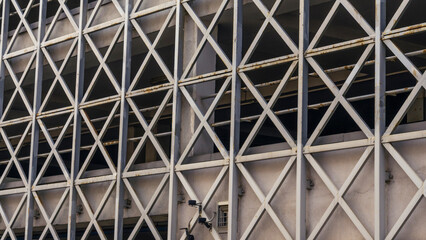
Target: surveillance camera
{"x": 188, "y": 235}
{"x": 192, "y": 202}
{"x": 202, "y": 220}
{"x": 208, "y": 225}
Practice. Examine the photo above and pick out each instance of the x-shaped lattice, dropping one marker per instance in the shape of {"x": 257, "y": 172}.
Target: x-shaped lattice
{"x": 420, "y": 184}
{"x": 339, "y": 96}
{"x": 94, "y": 216}
{"x": 151, "y": 49}
{"x": 18, "y": 88}
{"x": 399, "y": 12}
{"x": 145, "y": 211}
{"x": 9, "y": 223}
{"x": 352, "y": 11}
{"x": 267, "y": 106}
{"x": 267, "y": 110}
{"x": 49, "y": 220}
{"x": 269, "y": 19}
{"x": 98, "y": 6}
{"x": 54, "y": 149}
{"x": 205, "y": 202}
{"x": 23, "y": 21}
{"x": 62, "y": 8}
{"x": 98, "y": 141}
{"x": 102, "y": 63}
{"x": 265, "y": 200}
{"x": 339, "y": 194}
{"x": 421, "y": 83}
{"x": 14, "y": 155}
{"x": 58, "y": 76}
{"x": 206, "y": 37}
{"x": 204, "y": 122}
{"x": 148, "y": 130}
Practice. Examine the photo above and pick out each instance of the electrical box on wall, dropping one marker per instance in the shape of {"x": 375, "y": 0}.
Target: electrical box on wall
{"x": 222, "y": 216}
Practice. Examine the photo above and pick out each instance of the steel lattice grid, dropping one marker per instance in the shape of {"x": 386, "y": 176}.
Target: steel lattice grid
{"x": 56, "y": 122}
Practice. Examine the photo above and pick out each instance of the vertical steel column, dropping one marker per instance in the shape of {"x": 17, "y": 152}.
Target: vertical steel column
{"x": 379, "y": 121}
{"x": 3, "y": 45}
{"x": 35, "y": 131}
{"x": 302, "y": 123}
{"x": 76, "y": 143}
{"x": 124, "y": 120}
{"x": 176, "y": 119}
{"x": 235, "y": 120}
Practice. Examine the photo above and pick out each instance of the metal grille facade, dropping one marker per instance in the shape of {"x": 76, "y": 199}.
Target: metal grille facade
{"x": 76, "y": 100}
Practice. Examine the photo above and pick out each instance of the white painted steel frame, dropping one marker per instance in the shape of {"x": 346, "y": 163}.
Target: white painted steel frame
{"x": 300, "y": 150}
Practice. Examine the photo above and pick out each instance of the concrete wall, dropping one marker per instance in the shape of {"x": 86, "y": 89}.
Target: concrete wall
{"x": 337, "y": 164}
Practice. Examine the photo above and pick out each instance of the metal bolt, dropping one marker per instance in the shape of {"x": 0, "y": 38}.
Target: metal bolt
{"x": 79, "y": 209}
{"x": 180, "y": 198}
{"x": 127, "y": 203}
{"x": 36, "y": 214}
{"x": 388, "y": 176}
{"x": 241, "y": 191}
{"x": 309, "y": 184}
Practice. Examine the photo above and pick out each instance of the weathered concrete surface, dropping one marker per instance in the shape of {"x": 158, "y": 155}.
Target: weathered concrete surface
{"x": 337, "y": 165}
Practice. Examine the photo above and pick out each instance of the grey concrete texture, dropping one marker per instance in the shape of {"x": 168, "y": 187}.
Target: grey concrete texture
{"x": 336, "y": 164}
